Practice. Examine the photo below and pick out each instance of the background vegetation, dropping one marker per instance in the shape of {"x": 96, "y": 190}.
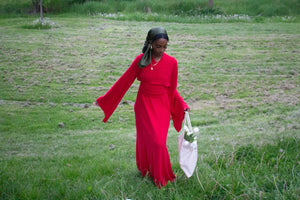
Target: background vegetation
{"x": 168, "y": 7}
{"x": 241, "y": 80}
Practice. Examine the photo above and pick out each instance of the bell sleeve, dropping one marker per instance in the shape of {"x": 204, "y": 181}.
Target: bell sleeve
{"x": 109, "y": 102}
{"x": 176, "y": 101}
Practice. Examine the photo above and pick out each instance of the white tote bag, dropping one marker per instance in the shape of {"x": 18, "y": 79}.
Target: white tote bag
{"x": 187, "y": 147}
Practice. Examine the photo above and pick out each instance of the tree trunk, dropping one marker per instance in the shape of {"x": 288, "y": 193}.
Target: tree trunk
{"x": 41, "y": 11}
{"x": 210, "y": 3}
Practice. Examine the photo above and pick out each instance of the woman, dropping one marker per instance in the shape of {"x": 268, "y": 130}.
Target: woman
{"x": 157, "y": 100}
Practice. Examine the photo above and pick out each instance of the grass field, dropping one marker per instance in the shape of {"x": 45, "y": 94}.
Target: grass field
{"x": 241, "y": 81}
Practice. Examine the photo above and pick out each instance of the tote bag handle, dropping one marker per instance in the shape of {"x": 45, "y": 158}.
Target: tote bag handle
{"x": 188, "y": 121}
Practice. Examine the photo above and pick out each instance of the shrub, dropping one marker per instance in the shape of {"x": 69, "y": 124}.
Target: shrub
{"x": 15, "y": 7}
{"x": 37, "y": 24}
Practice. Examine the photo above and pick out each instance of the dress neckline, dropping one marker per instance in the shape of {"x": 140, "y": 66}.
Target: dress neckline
{"x": 156, "y": 62}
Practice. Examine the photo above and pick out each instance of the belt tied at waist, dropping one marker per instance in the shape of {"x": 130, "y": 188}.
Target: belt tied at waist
{"x": 151, "y": 89}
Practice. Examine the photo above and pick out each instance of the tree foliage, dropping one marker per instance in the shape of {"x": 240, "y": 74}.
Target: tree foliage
{"x": 54, "y": 5}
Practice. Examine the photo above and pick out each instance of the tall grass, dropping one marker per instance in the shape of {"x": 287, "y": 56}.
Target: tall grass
{"x": 192, "y": 7}
{"x": 260, "y": 7}
{"x": 167, "y": 7}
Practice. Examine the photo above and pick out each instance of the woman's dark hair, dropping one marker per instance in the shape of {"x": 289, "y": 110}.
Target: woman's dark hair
{"x": 156, "y": 37}
{"x": 153, "y": 34}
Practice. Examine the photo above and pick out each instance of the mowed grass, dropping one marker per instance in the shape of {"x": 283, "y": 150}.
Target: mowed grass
{"x": 241, "y": 81}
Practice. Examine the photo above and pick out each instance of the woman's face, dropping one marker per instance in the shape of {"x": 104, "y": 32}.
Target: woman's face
{"x": 159, "y": 46}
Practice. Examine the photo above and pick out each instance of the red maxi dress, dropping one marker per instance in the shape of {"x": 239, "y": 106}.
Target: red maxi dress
{"x": 157, "y": 100}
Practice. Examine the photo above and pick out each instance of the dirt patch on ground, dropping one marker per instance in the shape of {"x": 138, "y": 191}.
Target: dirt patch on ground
{"x": 50, "y": 104}
{"x": 223, "y": 102}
